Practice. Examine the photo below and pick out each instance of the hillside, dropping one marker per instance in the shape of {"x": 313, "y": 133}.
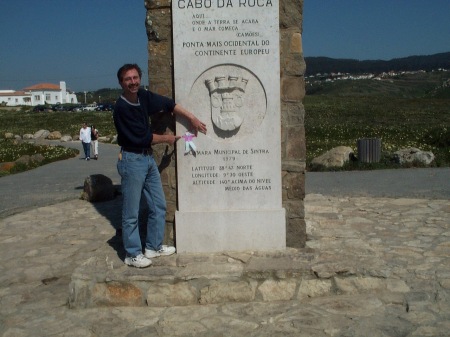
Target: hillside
{"x": 421, "y": 84}
{"x": 396, "y": 83}
{"x": 321, "y": 65}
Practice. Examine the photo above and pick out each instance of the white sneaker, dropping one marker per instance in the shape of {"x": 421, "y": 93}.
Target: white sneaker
{"x": 139, "y": 261}
{"x": 163, "y": 251}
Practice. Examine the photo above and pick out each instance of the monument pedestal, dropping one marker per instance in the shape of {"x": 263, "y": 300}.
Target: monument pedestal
{"x": 227, "y": 73}
{"x": 203, "y": 232}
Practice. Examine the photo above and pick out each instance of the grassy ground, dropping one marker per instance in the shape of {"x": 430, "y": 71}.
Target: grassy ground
{"x": 23, "y": 121}
{"x": 410, "y": 110}
{"x": 10, "y": 152}
{"x": 335, "y": 121}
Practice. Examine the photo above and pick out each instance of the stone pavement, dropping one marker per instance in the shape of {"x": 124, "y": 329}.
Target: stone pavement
{"x": 55, "y": 182}
{"x": 376, "y": 267}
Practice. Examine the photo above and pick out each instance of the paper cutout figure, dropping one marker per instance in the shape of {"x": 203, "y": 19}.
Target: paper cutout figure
{"x": 189, "y": 144}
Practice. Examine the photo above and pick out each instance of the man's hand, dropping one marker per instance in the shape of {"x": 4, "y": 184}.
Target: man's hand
{"x": 169, "y": 139}
{"x": 196, "y": 124}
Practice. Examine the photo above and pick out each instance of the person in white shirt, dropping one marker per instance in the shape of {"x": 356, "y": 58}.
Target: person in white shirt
{"x": 85, "y": 137}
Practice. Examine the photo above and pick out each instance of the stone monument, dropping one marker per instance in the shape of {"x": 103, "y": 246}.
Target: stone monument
{"x": 227, "y": 71}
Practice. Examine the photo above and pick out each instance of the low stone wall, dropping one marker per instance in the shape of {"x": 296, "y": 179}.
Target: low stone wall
{"x": 185, "y": 280}
{"x": 192, "y": 279}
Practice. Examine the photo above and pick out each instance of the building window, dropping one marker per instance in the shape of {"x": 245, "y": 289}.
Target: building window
{"x": 47, "y": 97}
{"x": 37, "y": 97}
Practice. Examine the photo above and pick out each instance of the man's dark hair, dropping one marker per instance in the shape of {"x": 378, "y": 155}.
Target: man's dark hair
{"x": 123, "y": 69}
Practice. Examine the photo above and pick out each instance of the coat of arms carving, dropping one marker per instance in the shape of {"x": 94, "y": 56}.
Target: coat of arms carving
{"x": 227, "y": 100}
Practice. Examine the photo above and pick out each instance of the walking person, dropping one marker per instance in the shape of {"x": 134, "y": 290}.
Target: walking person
{"x": 137, "y": 167}
{"x": 85, "y": 137}
{"x": 94, "y": 141}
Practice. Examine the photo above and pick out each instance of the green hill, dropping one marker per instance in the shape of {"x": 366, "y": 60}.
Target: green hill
{"x": 322, "y": 65}
{"x": 433, "y": 84}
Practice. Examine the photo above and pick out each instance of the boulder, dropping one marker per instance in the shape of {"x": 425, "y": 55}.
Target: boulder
{"x": 412, "y": 154}
{"x": 9, "y": 135}
{"x": 335, "y": 157}
{"x": 7, "y": 166}
{"x": 28, "y": 136}
{"x": 41, "y": 134}
{"x": 37, "y": 158}
{"x": 25, "y": 159}
{"x": 104, "y": 139}
{"x": 66, "y": 138}
{"x": 98, "y": 187}
{"x": 40, "y": 141}
{"x": 54, "y": 135}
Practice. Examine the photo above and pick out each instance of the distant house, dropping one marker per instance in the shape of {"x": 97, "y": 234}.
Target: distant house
{"x": 43, "y": 93}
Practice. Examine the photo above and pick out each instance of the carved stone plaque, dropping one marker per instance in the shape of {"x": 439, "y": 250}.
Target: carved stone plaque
{"x": 227, "y": 72}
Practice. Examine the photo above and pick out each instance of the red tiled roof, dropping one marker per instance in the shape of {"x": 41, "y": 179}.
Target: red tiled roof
{"x": 15, "y": 93}
{"x": 43, "y": 86}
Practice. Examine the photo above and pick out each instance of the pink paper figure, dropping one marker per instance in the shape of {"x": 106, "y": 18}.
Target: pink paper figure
{"x": 189, "y": 144}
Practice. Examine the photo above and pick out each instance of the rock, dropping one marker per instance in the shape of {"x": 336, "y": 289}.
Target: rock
{"x": 25, "y": 159}
{"x": 41, "y": 134}
{"x": 335, "y": 157}
{"x": 40, "y": 141}
{"x": 314, "y": 288}
{"x": 278, "y": 290}
{"x": 7, "y": 166}
{"x": 54, "y": 135}
{"x": 117, "y": 294}
{"x": 17, "y": 141}
{"x": 17, "y": 137}
{"x": 28, "y": 136}
{"x": 66, "y": 138}
{"x": 412, "y": 154}
{"x": 9, "y": 135}
{"x": 114, "y": 140}
{"x": 98, "y": 187}
{"x": 166, "y": 295}
{"x": 104, "y": 139}
{"x": 37, "y": 158}
{"x": 218, "y": 292}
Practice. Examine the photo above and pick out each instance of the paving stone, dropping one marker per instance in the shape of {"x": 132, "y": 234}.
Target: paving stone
{"x": 379, "y": 265}
{"x": 314, "y": 288}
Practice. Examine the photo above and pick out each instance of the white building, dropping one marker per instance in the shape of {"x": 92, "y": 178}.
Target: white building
{"x": 43, "y": 93}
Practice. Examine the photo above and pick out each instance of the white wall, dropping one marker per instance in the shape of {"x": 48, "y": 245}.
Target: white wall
{"x": 37, "y": 97}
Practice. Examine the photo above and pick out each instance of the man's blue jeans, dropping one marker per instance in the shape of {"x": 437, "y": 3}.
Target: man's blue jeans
{"x": 140, "y": 176}
{"x": 87, "y": 149}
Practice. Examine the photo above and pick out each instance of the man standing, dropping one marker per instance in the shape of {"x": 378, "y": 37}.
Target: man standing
{"x": 85, "y": 137}
{"x": 137, "y": 167}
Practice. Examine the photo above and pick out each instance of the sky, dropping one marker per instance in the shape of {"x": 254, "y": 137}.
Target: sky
{"x": 84, "y": 42}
